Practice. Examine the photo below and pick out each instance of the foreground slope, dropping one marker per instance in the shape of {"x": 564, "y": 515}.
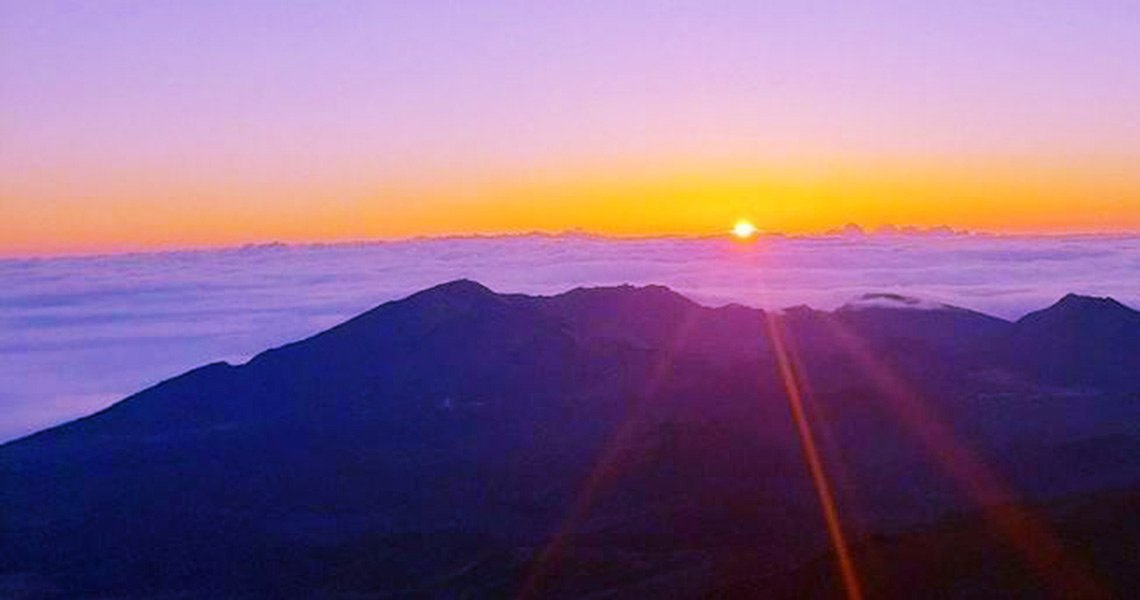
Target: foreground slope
{"x": 471, "y": 442}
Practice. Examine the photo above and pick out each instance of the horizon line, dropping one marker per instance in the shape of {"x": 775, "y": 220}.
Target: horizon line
{"x": 848, "y": 230}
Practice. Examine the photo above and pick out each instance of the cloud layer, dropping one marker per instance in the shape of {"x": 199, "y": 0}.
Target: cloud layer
{"x": 80, "y": 333}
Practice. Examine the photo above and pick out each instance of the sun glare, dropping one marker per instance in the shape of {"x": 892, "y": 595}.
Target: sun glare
{"x": 744, "y": 229}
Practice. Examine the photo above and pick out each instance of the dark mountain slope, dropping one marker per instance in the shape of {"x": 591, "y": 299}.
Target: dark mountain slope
{"x": 657, "y": 317}
{"x": 1080, "y": 340}
{"x": 942, "y": 327}
{"x": 457, "y": 414}
{"x": 964, "y": 557}
{"x": 437, "y": 444}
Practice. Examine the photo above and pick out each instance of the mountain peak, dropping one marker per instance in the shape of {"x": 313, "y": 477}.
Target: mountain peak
{"x": 1072, "y": 300}
{"x": 647, "y": 296}
{"x": 457, "y": 295}
{"x": 450, "y": 298}
{"x": 459, "y": 287}
{"x": 1075, "y": 306}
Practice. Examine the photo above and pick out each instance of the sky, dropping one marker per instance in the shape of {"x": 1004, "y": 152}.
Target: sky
{"x": 79, "y": 333}
{"x": 156, "y": 125}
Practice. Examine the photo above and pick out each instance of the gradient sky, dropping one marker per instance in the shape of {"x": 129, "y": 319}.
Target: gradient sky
{"x": 128, "y": 125}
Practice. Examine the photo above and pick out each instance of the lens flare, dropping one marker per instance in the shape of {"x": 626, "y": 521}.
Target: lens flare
{"x": 846, "y": 565}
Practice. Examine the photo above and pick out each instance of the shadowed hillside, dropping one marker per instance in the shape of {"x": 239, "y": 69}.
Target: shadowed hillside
{"x": 616, "y": 440}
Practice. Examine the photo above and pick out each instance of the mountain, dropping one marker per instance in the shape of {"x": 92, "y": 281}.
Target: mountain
{"x": 949, "y": 328}
{"x": 1081, "y": 340}
{"x": 461, "y": 442}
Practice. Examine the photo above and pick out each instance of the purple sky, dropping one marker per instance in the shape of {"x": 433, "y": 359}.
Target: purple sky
{"x": 117, "y": 118}
{"x": 408, "y": 78}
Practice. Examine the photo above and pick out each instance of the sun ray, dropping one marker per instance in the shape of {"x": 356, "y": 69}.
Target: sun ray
{"x": 819, "y": 477}
{"x": 1032, "y": 539}
{"x": 604, "y": 467}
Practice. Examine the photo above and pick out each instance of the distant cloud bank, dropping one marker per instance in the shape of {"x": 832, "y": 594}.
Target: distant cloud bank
{"x": 80, "y": 333}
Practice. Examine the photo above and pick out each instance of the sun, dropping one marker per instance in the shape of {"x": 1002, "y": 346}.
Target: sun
{"x": 744, "y": 229}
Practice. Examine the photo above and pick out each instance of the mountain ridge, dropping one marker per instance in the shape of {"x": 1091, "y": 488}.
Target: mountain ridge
{"x": 477, "y": 422}
{"x": 461, "y": 295}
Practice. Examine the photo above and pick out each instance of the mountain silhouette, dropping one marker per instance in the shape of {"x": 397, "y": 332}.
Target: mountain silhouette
{"x": 1081, "y": 340}
{"x": 617, "y": 440}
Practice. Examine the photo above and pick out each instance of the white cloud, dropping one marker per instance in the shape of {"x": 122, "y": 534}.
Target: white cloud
{"x": 75, "y": 332}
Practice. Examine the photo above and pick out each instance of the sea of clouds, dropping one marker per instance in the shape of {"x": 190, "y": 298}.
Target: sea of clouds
{"x": 77, "y": 334}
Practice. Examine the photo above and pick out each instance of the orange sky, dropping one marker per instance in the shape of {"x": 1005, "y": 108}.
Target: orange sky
{"x": 145, "y": 126}
{"x": 627, "y": 200}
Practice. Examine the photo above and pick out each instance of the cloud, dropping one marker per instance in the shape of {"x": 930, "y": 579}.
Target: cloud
{"x": 79, "y": 332}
